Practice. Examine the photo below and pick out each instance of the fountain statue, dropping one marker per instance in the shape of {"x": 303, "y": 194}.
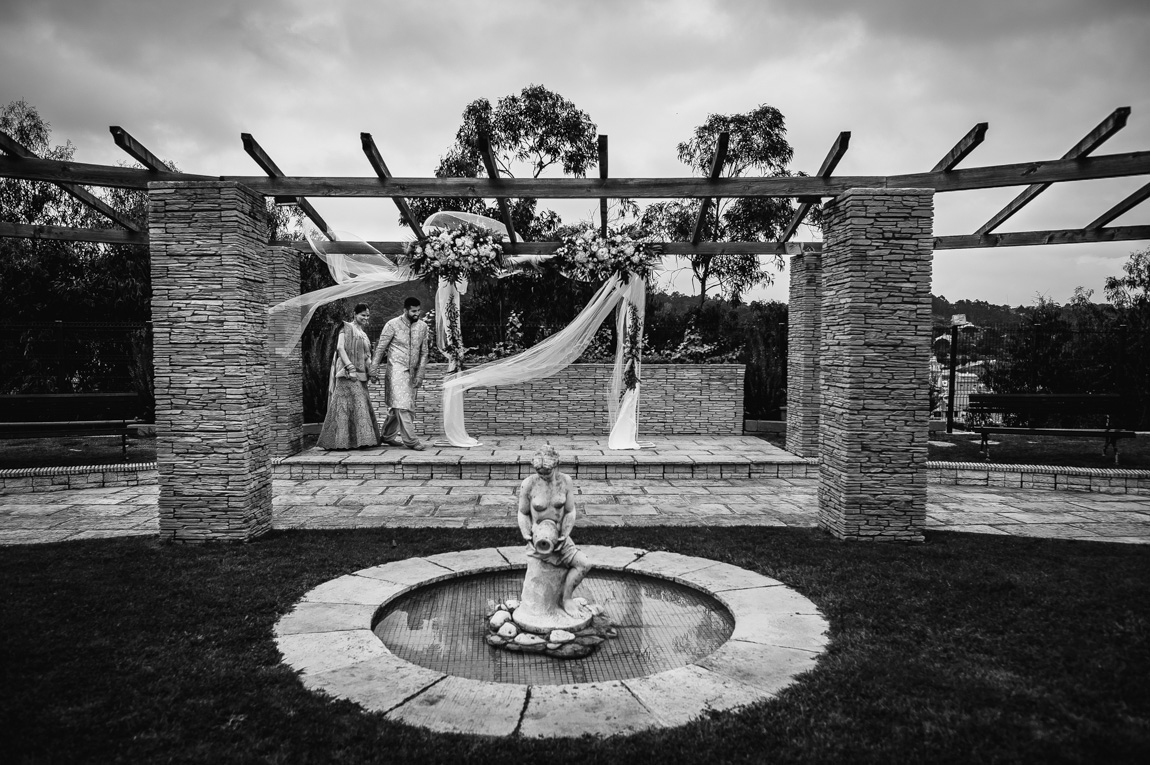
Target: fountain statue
{"x": 547, "y": 617}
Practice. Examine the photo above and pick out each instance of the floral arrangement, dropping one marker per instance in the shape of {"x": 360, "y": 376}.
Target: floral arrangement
{"x": 590, "y": 257}
{"x": 463, "y": 252}
{"x": 632, "y": 350}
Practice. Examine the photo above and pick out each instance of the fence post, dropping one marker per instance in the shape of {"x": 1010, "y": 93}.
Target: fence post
{"x": 952, "y": 379}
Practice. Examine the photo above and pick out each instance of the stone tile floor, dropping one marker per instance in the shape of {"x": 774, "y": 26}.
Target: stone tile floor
{"x": 94, "y": 513}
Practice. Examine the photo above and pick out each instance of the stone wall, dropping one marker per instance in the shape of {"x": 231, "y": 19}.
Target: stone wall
{"x": 874, "y": 363}
{"x": 677, "y": 399}
{"x": 210, "y": 271}
{"x": 803, "y": 328}
{"x": 285, "y": 380}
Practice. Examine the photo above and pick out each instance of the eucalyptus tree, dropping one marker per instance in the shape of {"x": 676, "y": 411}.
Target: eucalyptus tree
{"x": 757, "y": 143}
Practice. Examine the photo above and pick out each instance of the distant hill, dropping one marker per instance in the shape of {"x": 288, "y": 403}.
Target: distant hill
{"x": 976, "y": 311}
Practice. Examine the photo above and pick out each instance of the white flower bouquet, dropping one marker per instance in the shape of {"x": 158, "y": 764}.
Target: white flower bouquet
{"x": 590, "y": 257}
{"x": 463, "y": 252}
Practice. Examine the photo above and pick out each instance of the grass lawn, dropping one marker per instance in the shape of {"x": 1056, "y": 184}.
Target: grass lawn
{"x": 73, "y": 450}
{"x": 965, "y": 648}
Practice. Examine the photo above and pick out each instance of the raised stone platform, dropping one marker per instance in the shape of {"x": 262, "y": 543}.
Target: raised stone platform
{"x": 584, "y": 457}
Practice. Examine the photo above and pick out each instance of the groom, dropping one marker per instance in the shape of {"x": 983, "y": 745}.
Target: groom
{"x": 404, "y": 343}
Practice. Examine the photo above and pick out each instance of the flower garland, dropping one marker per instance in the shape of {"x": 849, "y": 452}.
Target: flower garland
{"x": 589, "y": 257}
{"x": 632, "y": 350}
{"x": 462, "y": 252}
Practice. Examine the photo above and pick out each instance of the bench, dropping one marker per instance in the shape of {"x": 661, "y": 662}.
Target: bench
{"x": 47, "y": 415}
{"x": 1032, "y": 406}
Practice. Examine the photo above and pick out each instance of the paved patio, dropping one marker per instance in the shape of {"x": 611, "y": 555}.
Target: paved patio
{"x": 358, "y": 503}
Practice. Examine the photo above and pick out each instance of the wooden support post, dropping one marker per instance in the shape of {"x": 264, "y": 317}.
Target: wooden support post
{"x": 21, "y": 154}
{"x": 380, "y": 167}
{"x": 716, "y": 170}
{"x": 603, "y": 174}
{"x": 493, "y": 174}
{"x": 1095, "y": 138}
{"x": 256, "y": 152}
{"x": 830, "y": 162}
{"x": 137, "y": 150}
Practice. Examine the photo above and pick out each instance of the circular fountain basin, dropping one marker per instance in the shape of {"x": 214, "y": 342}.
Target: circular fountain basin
{"x": 695, "y": 635}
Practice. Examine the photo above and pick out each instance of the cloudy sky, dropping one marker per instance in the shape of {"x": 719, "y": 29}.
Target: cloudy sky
{"x": 907, "y": 77}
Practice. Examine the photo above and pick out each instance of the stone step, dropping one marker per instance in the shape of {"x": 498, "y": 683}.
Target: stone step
{"x": 588, "y": 458}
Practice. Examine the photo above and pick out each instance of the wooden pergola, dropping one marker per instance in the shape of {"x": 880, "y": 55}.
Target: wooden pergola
{"x": 858, "y": 323}
{"x": 1078, "y": 164}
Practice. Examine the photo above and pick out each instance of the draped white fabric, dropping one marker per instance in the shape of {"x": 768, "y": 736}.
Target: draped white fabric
{"x": 363, "y": 270}
{"x": 545, "y": 359}
{"x": 623, "y": 406}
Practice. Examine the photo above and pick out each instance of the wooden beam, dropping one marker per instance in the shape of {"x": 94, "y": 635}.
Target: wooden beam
{"x": 1032, "y": 238}
{"x": 830, "y": 162}
{"x": 484, "y": 146}
{"x": 1125, "y": 206}
{"x": 603, "y": 175}
{"x": 136, "y": 150}
{"x": 716, "y": 169}
{"x": 1095, "y": 138}
{"x": 20, "y": 154}
{"x": 966, "y": 145}
{"x": 960, "y": 242}
{"x": 64, "y": 233}
{"x": 1050, "y": 171}
{"x": 256, "y": 152}
{"x": 380, "y": 167}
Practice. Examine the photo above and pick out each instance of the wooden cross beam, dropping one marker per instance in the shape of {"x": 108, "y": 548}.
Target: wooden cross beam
{"x": 830, "y": 162}
{"x": 1031, "y": 238}
{"x": 67, "y": 234}
{"x": 20, "y": 154}
{"x": 965, "y": 146}
{"x": 716, "y": 170}
{"x": 380, "y": 167}
{"x": 1095, "y": 138}
{"x": 484, "y": 146}
{"x": 256, "y": 152}
{"x": 136, "y": 150}
{"x": 995, "y": 176}
{"x": 603, "y": 174}
{"x": 1126, "y": 205}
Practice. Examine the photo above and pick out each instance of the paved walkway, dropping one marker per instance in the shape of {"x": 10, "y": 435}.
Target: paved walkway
{"x": 93, "y": 513}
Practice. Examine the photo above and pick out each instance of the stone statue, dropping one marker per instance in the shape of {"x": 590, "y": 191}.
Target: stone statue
{"x": 547, "y": 617}
{"x": 555, "y": 567}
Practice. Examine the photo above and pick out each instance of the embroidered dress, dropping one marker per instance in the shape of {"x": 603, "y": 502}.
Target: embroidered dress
{"x": 350, "y": 422}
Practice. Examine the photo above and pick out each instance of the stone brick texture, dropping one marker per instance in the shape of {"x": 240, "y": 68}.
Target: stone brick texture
{"x": 875, "y": 340}
{"x": 285, "y": 379}
{"x": 210, "y": 276}
{"x": 676, "y": 399}
{"x": 803, "y": 337}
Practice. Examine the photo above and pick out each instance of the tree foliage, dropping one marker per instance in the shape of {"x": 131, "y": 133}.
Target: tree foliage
{"x": 530, "y": 132}
{"x": 757, "y": 143}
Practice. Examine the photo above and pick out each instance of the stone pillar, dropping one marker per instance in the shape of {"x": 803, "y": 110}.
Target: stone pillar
{"x": 285, "y": 379}
{"x": 874, "y": 365}
{"x": 209, "y": 313}
{"x": 803, "y": 321}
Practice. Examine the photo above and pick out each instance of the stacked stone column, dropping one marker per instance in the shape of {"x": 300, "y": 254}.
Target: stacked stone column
{"x": 285, "y": 379}
{"x": 803, "y": 323}
{"x": 210, "y": 272}
{"x": 874, "y": 366}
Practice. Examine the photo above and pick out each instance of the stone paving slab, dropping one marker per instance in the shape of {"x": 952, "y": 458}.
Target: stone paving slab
{"x": 490, "y": 503}
{"x": 379, "y": 684}
{"x": 678, "y": 696}
{"x": 461, "y": 705}
{"x": 598, "y": 709}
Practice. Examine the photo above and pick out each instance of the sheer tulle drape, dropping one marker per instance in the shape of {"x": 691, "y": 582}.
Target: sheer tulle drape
{"x": 550, "y": 357}
{"x": 623, "y": 406}
{"x": 363, "y": 270}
